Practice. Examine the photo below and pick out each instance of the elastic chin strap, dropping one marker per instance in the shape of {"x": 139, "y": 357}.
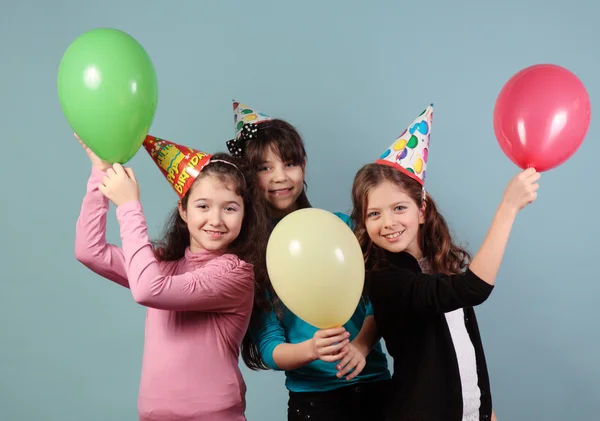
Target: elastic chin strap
{"x": 424, "y": 195}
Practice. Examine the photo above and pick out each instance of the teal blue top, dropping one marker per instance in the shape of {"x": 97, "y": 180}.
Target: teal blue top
{"x": 317, "y": 376}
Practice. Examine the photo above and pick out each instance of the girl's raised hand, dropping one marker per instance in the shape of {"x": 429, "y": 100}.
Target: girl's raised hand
{"x": 119, "y": 185}
{"x": 96, "y": 162}
{"x": 521, "y": 190}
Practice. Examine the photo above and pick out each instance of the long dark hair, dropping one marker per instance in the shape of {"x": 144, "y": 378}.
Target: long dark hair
{"x": 435, "y": 239}
{"x": 250, "y": 245}
{"x": 284, "y": 140}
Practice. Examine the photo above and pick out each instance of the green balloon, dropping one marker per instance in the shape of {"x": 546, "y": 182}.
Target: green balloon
{"x": 412, "y": 142}
{"x": 108, "y": 91}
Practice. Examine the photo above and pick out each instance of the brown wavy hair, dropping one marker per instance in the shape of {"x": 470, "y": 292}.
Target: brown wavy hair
{"x": 250, "y": 245}
{"x": 435, "y": 239}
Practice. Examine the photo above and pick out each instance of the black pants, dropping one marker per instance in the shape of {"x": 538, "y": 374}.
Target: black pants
{"x": 362, "y": 401}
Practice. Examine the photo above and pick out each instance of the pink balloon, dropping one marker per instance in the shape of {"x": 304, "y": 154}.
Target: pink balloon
{"x": 542, "y": 116}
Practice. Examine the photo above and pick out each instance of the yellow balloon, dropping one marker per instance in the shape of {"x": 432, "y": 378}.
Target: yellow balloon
{"x": 316, "y": 267}
{"x": 399, "y": 145}
{"x": 418, "y": 165}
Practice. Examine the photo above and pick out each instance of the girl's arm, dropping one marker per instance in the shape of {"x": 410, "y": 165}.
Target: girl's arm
{"x": 327, "y": 345}
{"x": 271, "y": 341}
{"x": 290, "y": 357}
{"x": 357, "y": 351}
{"x": 403, "y": 290}
{"x": 221, "y": 285}
{"x": 91, "y": 247}
{"x": 521, "y": 191}
{"x": 367, "y": 337}
{"x": 268, "y": 333}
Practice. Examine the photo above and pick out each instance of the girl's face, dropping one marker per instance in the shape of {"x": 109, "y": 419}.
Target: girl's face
{"x": 214, "y": 214}
{"x": 393, "y": 218}
{"x": 281, "y": 182}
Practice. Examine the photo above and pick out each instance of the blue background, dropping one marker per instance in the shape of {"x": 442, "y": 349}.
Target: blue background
{"x": 351, "y": 75}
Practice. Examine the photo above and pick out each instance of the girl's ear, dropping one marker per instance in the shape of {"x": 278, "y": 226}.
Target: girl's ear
{"x": 182, "y": 211}
{"x": 422, "y": 212}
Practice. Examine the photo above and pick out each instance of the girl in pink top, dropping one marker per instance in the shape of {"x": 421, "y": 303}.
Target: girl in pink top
{"x": 198, "y": 285}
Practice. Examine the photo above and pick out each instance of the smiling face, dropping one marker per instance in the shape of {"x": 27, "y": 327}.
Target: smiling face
{"x": 213, "y": 214}
{"x": 393, "y": 218}
{"x": 281, "y": 182}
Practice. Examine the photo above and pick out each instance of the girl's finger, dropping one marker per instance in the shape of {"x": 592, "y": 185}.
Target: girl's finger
{"x": 343, "y": 362}
{"x": 322, "y": 343}
{"x": 357, "y": 370}
{"x": 118, "y": 169}
{"x": 334, "y": 357}
{"x": 353, "y": 363}
{"x": 130, "y": 173}
{"x": 334, "y": 349}
{"x": 327, "y": 333}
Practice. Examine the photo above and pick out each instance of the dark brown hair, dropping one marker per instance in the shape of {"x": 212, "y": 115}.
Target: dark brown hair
{"x": 250, "y": 245}
{"x": 435, "y": 239}
{"x": 284, "y": 140}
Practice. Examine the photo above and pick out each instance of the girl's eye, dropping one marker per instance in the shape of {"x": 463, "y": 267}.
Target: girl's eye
{"x": 371, "y": 214}
{"x": 230, "y": 209}
{"x": 202, "y": 206}
{"x": 399, "y": 208}
{"x": 290, "y": 164}
{"x": 260, "y": 169}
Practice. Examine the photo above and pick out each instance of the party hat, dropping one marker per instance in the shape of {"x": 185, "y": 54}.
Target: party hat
{"x": 179, "y": 164}
{"x": 245, "y": 120}
{"x": 410, "y": 150}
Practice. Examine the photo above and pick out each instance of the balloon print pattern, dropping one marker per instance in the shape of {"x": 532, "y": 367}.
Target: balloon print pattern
{"x": 410, "y": 151}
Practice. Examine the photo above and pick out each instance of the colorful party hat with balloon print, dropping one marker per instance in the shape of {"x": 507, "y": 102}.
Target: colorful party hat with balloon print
{"x": 179, "y": 164}
{"x": 410, "y": 151}
{"x": 245, "y": 120}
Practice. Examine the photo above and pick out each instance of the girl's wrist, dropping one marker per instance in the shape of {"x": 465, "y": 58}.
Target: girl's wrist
{"x": 361, "y": 347}
{"x": 507, "y": 210}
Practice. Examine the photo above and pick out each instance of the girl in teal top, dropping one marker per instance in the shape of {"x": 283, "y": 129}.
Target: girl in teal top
{"x": 331, "y": 374}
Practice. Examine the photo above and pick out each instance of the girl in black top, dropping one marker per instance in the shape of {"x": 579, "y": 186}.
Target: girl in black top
{"x": 423, "y": 288}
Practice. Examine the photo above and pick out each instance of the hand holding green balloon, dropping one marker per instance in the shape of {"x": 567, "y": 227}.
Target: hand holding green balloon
{"x": 108, "y": 91}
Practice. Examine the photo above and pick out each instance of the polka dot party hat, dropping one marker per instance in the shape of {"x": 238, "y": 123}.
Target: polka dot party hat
{"x": 410, "y": 150}
{"x": 179, "y": 164}
{"x": 245, "y": 120}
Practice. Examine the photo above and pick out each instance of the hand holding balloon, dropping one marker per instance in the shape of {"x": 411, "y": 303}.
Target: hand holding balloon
{"x": 119, "y": 185}
{"x": 329, "y": 345}
{"x": 521, "y": 190}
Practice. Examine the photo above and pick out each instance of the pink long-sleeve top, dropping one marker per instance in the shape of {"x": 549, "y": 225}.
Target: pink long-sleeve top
{"x": 198, "y": 311}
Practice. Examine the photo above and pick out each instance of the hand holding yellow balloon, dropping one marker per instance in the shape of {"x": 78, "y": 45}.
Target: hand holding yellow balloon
{"x": 316, "y": 267}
